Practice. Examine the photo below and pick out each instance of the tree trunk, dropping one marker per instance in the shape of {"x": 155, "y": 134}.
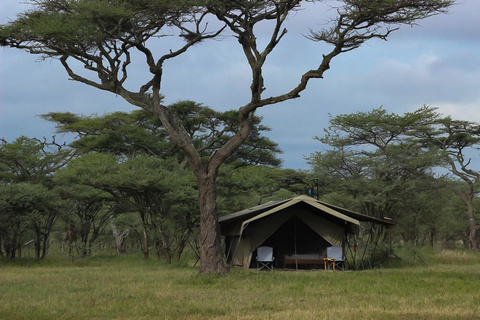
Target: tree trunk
{"x": 10, "y": 249}
{"x": 1, "y": 247}
{"x": 165, "y": 247}
{"x": 37, "y": 245}
{"x": 433, "y": 233}
{"x": 211, "y": 256}
{"x": 472, "y": 224}
{"x": 145, "y": 243}
{"x": 120, "y": 239}
{"x": 162, "y": 250}
{"x": 45, "y": 245}
{"x": 178, "y": 252}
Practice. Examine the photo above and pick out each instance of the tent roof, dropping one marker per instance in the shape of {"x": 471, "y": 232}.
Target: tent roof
{"x": 232, "y": 224}
{"x": 268, "y": 208}
{"x": 250, "y": 212}
{"x": 358, "y": 216}
{"x": 306, "y": 199}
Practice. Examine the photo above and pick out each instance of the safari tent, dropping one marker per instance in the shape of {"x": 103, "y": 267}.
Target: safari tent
{"x": 300, "y": 227}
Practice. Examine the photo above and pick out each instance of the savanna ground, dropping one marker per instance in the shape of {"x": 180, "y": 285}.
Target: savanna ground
{"x": 446, "y": 285}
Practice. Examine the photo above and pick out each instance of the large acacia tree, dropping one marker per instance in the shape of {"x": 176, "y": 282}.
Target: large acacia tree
{"x": 102, "y": 35}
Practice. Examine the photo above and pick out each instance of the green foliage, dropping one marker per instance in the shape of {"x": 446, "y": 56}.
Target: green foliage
{"x": 384, "y": 165}
{"x": 139, "y": 131}
{"x": 378, "y": 166}
{"x": 248, "y": 186}
{"x": 77, "y": 27}
{"x": 457, "y": 140}
{"x": 129, "y": 157}
{"x": 30, "y": 160}
{"x": 160, "y": 191}
{"x": 29, "y": 201}
{"x": 119, "y": 133}
{"x": 373, "y": 18}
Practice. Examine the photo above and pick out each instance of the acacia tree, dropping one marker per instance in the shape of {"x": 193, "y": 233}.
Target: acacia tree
{"x": 89, "y": 213}
{"x": 29, "y": 200}
{"x": 458, "y": 139}
{"x": 377, "y": 161}
{"x": 102, "y": 36}
{"x": 150, "y": 186}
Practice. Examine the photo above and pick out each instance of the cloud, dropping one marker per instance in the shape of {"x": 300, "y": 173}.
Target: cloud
{"x": 465, "y": 111}
{"x": 459, "y": 25}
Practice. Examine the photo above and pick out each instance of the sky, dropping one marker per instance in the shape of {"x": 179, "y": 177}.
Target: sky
{"x": 434, "y": 63}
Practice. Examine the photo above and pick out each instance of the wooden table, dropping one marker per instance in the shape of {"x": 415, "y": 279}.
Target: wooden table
{"x": 329, "y": 263}
{"x": 301, "y": 259}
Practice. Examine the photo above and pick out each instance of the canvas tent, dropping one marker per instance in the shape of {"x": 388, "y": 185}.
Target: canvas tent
{"x": 301, "y": 225}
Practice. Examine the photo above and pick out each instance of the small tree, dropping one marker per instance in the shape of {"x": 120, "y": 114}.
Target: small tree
{"x": 89, "y": 211}
{"x": 102, "y": 36}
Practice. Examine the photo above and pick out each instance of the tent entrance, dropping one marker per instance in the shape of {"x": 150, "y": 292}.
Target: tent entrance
{"x": 294, "y": 237}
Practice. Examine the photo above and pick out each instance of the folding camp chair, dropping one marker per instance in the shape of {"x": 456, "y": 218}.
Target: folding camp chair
{"x": 265, "y": 258}
{"x": 336, "y": 254}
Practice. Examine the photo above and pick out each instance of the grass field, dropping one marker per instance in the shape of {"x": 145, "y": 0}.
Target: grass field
{"x": 116, "y": 287}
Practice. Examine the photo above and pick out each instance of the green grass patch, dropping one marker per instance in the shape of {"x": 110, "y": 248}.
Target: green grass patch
{"x": 127, "y": 287}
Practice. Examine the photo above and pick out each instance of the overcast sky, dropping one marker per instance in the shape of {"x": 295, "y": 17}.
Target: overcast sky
{"x": 436, "y": 63}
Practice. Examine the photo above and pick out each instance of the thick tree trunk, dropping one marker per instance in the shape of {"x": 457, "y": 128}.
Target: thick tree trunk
{"x": 211, "y": 256}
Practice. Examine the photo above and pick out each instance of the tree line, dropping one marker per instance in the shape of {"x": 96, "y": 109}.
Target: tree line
{"x": 419, "y": 169}
{"x": 121, "y": 175}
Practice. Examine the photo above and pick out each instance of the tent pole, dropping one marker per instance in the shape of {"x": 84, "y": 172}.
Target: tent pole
{"x": 295, "y": 241}
{"x": 229, "y": 248}
{"x": 355, "y": 244}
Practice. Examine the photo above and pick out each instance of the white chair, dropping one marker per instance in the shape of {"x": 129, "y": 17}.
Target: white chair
{"x": 337, "y": 254}
{"x": 265, "y": 258}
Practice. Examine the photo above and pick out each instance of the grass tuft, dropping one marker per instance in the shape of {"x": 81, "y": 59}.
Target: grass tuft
{"x": 458, "y": 257}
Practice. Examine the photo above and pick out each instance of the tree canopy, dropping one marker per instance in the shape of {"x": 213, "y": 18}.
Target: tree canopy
{"x": 140, "y": 131}
{"x": 387, "y": 165}
{"x": 29, "y": 200}
{"x": 458, "y": 139}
